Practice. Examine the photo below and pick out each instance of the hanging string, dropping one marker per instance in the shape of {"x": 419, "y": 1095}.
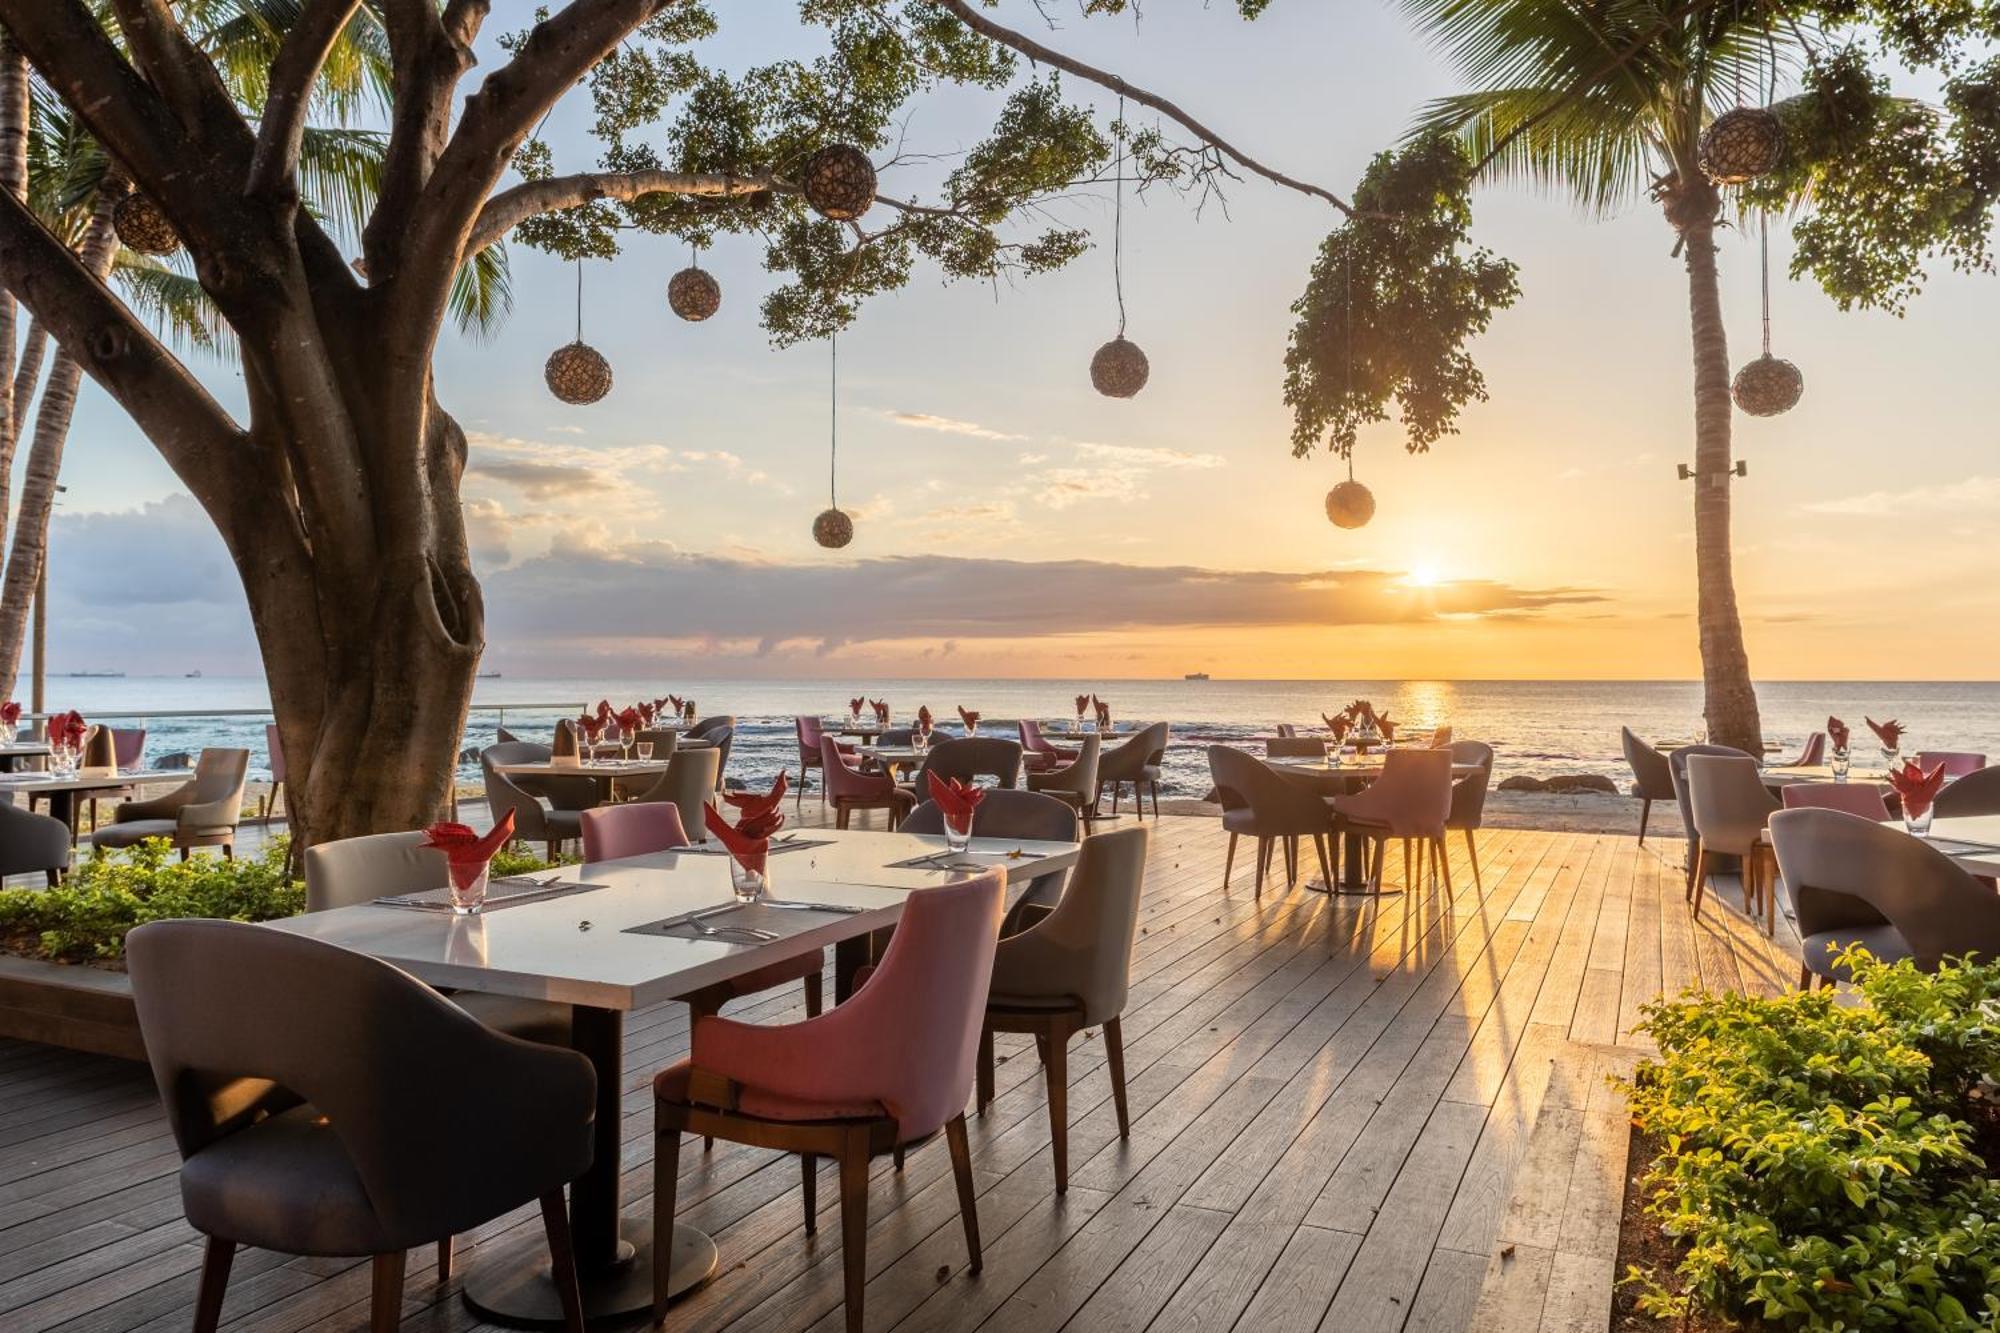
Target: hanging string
{"x": 1118, "y": 219}
{"x": 579, "y": 300}
{"x": 1764, "y": 241}
{"x": 1347, "y": 333}
{"x": 833, "y": 420}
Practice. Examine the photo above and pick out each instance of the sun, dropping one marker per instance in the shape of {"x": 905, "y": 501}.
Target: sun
{"x": 1424, "y": 575}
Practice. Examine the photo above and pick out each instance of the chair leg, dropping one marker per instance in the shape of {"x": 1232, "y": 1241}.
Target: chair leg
{"x": 854, "y": 1223}
{"x": 968, "y": 1205}
{"x": 444, "y": 1261}
{"x": 1228, "y": 860}
{"x": 385, "y": 1305}
{"x": 1472, "y": 851}
{"x": 897, "y": 1154}
{"x": 815, "y": 994}
{"x": 809, "y": 1184}
{"x": 666, "y": 1182}
{"x": 1700, "y": 877}
{"x": 1058, "y": 1081}
{"x": 1114, "y": 1056}
{"x": 1805, "y": 976}
{"x": 214, "y": 1281}
{"x": 1325, "y": 866}
{"x": 1408, "y": 883}
{"x": 1645, "y": 813}
{"x": 840, "y": 813}
{"x": 984, "y": 1073}
{"x": 1441, "y": 861}
{"x": 562, "y": 1258}
{"x": 1291, "y": 862}
{"x": 1156, "y": 800}
{"x": 1263, "y": 864}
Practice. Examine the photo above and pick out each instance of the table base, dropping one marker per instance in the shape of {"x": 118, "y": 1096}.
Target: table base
{"x": 520, "y": 1295}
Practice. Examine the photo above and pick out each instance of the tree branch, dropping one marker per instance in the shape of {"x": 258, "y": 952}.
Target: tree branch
{"x": 510, "y": 208}
{"x": 71, "y": 50}
{"x": 1043, "y": 55}
{"x": 463, "y": 18}
{"x": 274, "y": 163}
{"x": 426, "y": 68}
{"x": 184, "y": 74}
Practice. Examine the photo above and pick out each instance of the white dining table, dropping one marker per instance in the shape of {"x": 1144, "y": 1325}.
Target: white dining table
{"x": 1972, "y": 841}
{"x": 583, "y": 949}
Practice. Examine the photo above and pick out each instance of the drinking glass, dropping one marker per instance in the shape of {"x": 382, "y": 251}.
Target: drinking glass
{"x": 62, "y": 760}
{"x": 1917, "y": 818}
{"x": 1890, "y": 755}
{"x": 6, "y": 733}
{"x": 468, "y": 888}
{"x": 645, "y": 751}
{"x": 1840, "y": 761}
{"x": 958, "y": 840}
{"x": 920, "y": 741}
{"x": 746, "y": 883}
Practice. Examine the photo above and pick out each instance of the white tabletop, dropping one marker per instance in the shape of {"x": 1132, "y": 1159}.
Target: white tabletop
{"x": 1973, "y": 841}
{"x": 542, "y": 950}
{"x": 590, "y": 768}
{"x": 49, "y": 782}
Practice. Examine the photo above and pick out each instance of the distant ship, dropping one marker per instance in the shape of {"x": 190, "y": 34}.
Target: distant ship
{"x": 93, "y": 675}
{"x": 1195, "y": 675}
{"x": 194, "y": 674}
{"x": 487, "y": 675}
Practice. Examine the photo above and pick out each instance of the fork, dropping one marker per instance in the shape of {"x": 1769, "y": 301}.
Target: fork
{"x": 713, "y": 933}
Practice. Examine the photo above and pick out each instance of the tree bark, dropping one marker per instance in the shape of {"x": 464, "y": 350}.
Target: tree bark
{"x": 1729, "y": 700}
{"x": 14, "y": 180}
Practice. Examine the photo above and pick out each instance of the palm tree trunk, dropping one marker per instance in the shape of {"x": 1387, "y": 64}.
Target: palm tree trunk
{"x": 13, "y": 179}
{"x": 1729, "y": 701}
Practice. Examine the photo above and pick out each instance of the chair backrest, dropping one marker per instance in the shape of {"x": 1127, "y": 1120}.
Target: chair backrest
{"x": 844, "y": 779}
{"x": 565, "y": 743}
{"x": 1281, "y": 806}
{"x": 274, "y": 751}
{"x": 712, "y": 728}
{"x": 1412, "y": 797}
{"x": 664, "y": 740}
{"x": 969, "y": 758}
{"x": 1974, "y": 794}
{"x": 31, "y": 842}
{"x": 1084, "y": 947}
{"x": 98, "y": 749}
{"x": 1844, "y": 872}
{"x": 1814, "y": 752}
{"x": 689, "y": 783}
{"x": 238, "y": 1019}
{"x": 1650, "y": 769}
{"x": 637, "y": 828}
{"x": 1468, "y": 795}
{"x": 1295, "y": 747}
{"x": 1287, "y": 730}
{"x": 504, "y": 794}
{"x": 128, "y": 744}
{"x": 809, "y": 730}
{"x": 1080, "y": 774}
{"x": 1677, "y": 768}
{"x": 1956, "y": 763}
{"x": 1132, "y": 757}
{"x": 219, "y": 775}
{"x": 1032, "y": 739}
{"x": 721, "y": 735}
{"x": 359, "y": 870}
{"x": 1729, "y": 801}
{"x": 1855, "y": 798}
{"x": 1004, "y": 814}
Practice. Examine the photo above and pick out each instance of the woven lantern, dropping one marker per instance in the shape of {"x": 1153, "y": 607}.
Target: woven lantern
{"x": 578, "y": 373}
{"x": 1119, "y": 369}
{"x": 1768, "y": 386}
{"x": 694, "y": 294}
{"x": 143, "y": 227}
{"x": 1350, "y": 505}
{"x": 833, "y": 529}
{"x": 1741, "y": 145}
{"x": 839, "y": 182}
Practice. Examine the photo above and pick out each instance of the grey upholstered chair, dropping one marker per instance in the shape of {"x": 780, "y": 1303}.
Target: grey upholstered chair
{"x": 1260, "y": 803}
{"x": 1652, "y": 775}
{"x": 1730, "y": 807}
{"x": 689, "y": 782}
{"x": 1855, "y": 881}
{"x": 537, "y": 818}
{"x": 201, "y": 813}
{"x": 720, "y": 732}
{"x": 1075, "y": 782}
{"x": 1295, "y": 747}
{"x": 969, "y": 758}
{"x": 1677, "y": 773}
{"x": 326, "y": 1103}
{"x": 1137, "y": 761}
{"x": 1468, "y": 798}
{"x": 32, "y": 843}
{"x": 1976, "y": 793}
{"x": 1069, "y": 973}
{"x": 1028, "y": 815}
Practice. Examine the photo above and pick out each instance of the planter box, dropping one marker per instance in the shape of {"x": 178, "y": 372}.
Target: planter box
{"x": 65, "y": 1004}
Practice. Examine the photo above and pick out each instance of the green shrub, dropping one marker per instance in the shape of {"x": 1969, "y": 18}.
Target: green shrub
{"x": 1821, "y": 1161}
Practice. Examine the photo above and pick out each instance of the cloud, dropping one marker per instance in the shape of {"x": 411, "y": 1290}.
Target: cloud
{"x": 948, "y": 425}
{"x": 543, "y": 481}
{"x": 1967, "y": 493}
{"x": 1137, "y": 456}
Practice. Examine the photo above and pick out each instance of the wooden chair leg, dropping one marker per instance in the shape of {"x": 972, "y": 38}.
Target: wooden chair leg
{"x": 968, "y": 1205}
{"x": 444, "y": 1261}
{"x": 1441, "y": 861}
{"x": 897, "y": 1154}
{"x": 841, "y": 810}
{"x": 1700, "y": 877}
{"x": 1058, "y": 1081}
{"x": 1645, "y": 813}
{"x": 854, "y": 1223}
{"x": 666, "y": 1182}
{"x": 1228, "y": 860}
{"x": 562, "y": 1258}
{"x": 1472, "y": 853}
{"x": 385, "y": 1304}
{"x": 1325, "y": 867}
{"x": 815, "y": 994}
{"x": 1805, "y": 976}
{"x": 1114, "y": 1056}
{"x": 984, "y": 1072}
{"x": 214, "y": 1281}
{"x": 1263, "y": 864}
{"x": 1291, "y": 862}
{"x": 809, "y": 1184}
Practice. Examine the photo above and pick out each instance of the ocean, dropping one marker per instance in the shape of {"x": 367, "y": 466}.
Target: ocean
{"x": 1536, "y": 727}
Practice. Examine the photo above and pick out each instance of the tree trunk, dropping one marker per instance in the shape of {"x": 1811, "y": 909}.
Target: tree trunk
{"x": 1729, "y": 700}
{"x": 13, "y": 179}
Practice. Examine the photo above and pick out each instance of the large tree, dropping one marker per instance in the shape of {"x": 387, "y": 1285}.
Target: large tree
{"x": 338, "y": 497}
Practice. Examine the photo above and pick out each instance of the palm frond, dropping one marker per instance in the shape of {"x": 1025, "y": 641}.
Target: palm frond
{"x": 340, "y": 174}
{"x": 482, "y": 293}
{"x": 1598, "y": 150}
{"x": 179, "y": 310}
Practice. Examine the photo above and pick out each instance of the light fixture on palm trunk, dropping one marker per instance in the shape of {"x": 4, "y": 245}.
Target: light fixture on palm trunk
{"x": 578, "y": 372}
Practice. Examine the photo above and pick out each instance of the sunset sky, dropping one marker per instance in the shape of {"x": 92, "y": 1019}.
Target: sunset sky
{"x": 1012, "y": 522}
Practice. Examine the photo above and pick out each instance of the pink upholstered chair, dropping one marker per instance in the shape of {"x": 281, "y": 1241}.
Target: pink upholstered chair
{"x": 890, "y": 1066}
{"x": 849, "y": 789}
{"x": 1957, "y": 763}
{"x": 1037, "y": 755}
{"x": 640, "y": 828}
{"x": 1410, "y": 802}
{"x": 1813, "y": 755}
{"x": 811, "y": 732}
{"x": 1856, "y": 798}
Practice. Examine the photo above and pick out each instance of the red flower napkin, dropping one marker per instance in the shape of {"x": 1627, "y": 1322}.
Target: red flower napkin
{"x": 1082, "y": 704}
{"x": 1339, "y": 724}
{"x": 68, "y": 728}
{"x": 466, "y": 854}
{"x": 675, "y": 700}
{"x": 590, "y": 728}
{"x": 10, "y": 712}
{"x": 924, "y": 719}
{"x": 882, "y": 712}
{"x": 854, "y": 705}
{"x": 1917, "y": 788}
{"x": 758, "y": 817}
{"x": 969, "y": 718}
{"x": 957, "y": 800}
{"x": 1836, "y": 731}
{"x": 646, "y": 712}
{"x": 1103, "y": 713}
{"x": 629, "y": 720}
{"x": 604, "y": 711}
{"x": 1386, "y": 727}
{"x": 1890, "y": 733}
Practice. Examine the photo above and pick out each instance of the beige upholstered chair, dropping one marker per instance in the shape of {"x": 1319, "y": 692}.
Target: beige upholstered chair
{"x": 1069, "y": 973}
{"x": 1731, "y": 805}
{"x": 1075, "y": 782}
{"x": 689, "y": 782}
{"x": 202, "y": 813}
{"x": 1137, "y": 761}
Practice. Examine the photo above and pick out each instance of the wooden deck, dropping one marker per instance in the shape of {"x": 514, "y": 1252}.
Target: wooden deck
{"x": 1337, "y": 1111}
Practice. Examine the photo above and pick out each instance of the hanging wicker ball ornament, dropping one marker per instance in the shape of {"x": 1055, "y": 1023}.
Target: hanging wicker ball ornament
{"x": 1767, "y": 386}
{"x": 578, "y": 373}
{"x": 1741, "y": 145}
{"x": 694, "y": 294}
{"x": 143, "y": 227}
{"x": 833, "y": 529}
{"x": 839, "y": 182}
{"x": 1350, "y": 505}
{"x": 1119, "y": 369}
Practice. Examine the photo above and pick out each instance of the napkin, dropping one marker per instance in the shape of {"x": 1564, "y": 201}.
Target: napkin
{"x": 882, "y": 711}
{"x": 1387, "y": 727}
{"x": 604, "y": 713}
{"x": 957, "y": 800}
{"x": 854, "y": 705}
{"x": 1082, "y": 704}
{"x": 969, "y": 718}
{"x": 759, "y": 814}
{"x": 1917, "y": 788}
{"x": 646, "y": 712}
{"x": 68, "y": 728}
{"x": 1103, "y": 713}
{"x": 1339, "y": 724}
{"x": 924, "y": 719}
{"x": 675, "y": 700}
{"x": 10, "y": 712}
{"x": 1890, "y": 733}
{"x": 629, "y": 721}
{"x": 466, "y": 854}
{"x": 590, "y": 727}
{"x": 749, "y": 849}
{"x": 1836, "y": 731}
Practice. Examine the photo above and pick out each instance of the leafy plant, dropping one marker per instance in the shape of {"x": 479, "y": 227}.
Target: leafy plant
{"x": 1820, "y": 1160}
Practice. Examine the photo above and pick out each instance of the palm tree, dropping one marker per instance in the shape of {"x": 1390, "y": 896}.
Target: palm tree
{"x": 1605, "y": 101}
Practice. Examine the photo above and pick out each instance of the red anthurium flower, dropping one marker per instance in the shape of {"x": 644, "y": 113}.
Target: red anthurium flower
{"x": 957, "y": 800}
{"x": 1836, "y": 731}
{"x": 1890, "y": 732}
{"x": 1916, "y": 787}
